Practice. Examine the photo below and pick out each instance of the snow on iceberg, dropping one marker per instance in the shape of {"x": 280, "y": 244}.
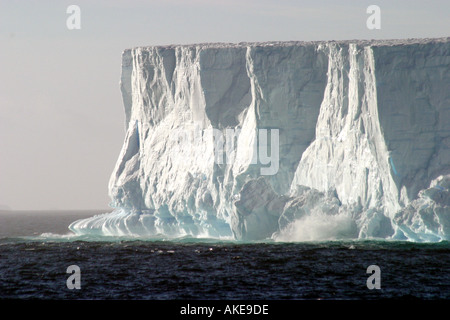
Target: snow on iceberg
{"x": 316, "y": 141}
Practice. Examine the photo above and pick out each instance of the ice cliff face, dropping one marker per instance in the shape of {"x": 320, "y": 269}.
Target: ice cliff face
{"x": 355, "y": 138}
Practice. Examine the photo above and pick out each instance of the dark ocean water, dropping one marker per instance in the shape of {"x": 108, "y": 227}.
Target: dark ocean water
{"x": 34, "y": 267}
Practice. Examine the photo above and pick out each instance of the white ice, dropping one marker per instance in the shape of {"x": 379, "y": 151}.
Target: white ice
{"x": 364, "y": 141}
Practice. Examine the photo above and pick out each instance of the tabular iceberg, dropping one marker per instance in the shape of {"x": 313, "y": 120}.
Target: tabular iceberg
{"x": 363, "y": 142}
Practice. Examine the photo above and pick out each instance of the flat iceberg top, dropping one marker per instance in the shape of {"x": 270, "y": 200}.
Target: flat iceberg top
{"x": 372, "y": 42}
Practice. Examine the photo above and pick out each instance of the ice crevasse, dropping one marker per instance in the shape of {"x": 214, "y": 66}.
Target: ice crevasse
{"x": 363, "y": 147}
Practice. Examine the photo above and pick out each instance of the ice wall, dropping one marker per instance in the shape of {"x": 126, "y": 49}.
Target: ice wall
{"x": 364, "y": 141}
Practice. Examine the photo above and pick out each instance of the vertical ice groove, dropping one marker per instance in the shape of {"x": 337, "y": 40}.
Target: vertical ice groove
{"x": 378, "y": 144}
{"x": 257, "y": 93}
{"x": 125, "y": 83}
{"x": 349, "y": 152}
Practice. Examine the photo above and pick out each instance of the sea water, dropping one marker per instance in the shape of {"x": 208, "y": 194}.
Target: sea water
{"x": 36, "y": 248}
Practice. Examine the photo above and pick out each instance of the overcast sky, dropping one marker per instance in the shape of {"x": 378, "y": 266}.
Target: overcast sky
{"x": 61, "y": 113}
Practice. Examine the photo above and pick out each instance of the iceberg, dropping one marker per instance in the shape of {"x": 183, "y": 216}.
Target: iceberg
{"x": 290, "y": 141}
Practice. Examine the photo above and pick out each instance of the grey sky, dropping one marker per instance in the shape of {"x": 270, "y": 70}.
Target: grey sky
{"x": 61, "y": 115}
